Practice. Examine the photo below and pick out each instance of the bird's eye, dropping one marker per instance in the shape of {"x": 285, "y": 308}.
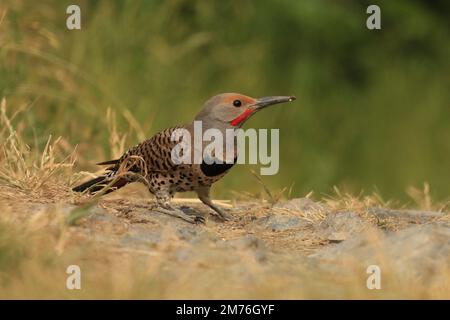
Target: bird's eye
{"x": 237, "y": 103}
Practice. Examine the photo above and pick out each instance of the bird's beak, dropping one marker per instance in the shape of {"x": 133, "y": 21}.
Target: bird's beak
{"x": 261, "y": 103}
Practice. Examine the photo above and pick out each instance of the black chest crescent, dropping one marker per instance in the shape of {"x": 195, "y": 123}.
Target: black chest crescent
{"x": 215, "y": 169}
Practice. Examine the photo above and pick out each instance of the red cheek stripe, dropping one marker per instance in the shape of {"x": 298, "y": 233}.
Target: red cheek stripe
{"x": 244, "y": 115}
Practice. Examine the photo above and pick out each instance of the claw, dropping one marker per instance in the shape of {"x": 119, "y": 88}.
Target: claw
{"x": 196, "y": 219}
{"x": 226, "y": 217}
{"x": 199, "y": 220}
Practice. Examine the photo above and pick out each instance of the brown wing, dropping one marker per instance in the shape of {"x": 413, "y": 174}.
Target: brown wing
{"x": 154, "y": 154}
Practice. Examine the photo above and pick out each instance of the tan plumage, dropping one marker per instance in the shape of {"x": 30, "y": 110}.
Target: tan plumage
{"x": 150, "y": 162}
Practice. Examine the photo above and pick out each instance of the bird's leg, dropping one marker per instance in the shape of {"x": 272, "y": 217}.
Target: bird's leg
{"x": 164, "y": 206}
{"x": 203, "y": 195}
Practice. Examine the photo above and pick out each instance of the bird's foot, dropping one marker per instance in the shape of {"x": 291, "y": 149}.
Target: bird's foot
{"x": 223, "y": 215}
{"x": 174, "y": 212}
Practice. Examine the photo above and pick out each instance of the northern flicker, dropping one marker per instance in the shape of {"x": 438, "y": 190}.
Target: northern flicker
{"x": 151, "y": 161}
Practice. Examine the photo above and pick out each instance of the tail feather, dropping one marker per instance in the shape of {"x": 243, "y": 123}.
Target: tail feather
{"x": 99, "y": 183}
{"x": 115, "y": 161}
{"x": 88, "y": 184}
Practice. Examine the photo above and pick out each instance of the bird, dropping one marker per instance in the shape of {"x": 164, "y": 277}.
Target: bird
{"x": 151, "y": 161}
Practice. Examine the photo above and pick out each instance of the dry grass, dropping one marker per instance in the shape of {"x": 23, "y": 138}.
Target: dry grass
{"x": 25, "y": 169}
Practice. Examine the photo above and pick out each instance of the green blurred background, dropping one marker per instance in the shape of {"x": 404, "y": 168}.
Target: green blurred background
{"x": 372, "y": 110}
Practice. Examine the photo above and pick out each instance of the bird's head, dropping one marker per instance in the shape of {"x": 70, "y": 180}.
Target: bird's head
{"x": 233, "y": 109}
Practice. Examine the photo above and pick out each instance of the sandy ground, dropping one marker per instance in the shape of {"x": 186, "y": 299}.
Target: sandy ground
{"x": 293, "y": 249}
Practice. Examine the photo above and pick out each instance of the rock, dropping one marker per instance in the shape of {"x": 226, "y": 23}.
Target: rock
{"x": 250, "y": 242}
{"x": 246, "y": 242}
{"x": 340, "y": 226}
{"x": 417, "y": 251}
{"x": 299, "y": 204}
{"x": 140, "y": 236}
{"x": 337, "y": 236}
{"x": 412, "y": 216}
{"x": 194, "y": 234}
{"x": 277, "y": 222}
{"x": 186, "y": 233}
{"x": 98, "y": 214}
